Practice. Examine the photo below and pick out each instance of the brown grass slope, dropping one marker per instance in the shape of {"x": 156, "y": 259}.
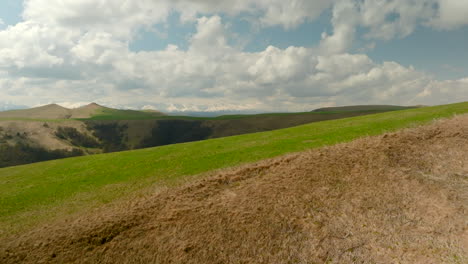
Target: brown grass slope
{"x": 51, "y": 111}
{"x": 86, "y": 111}
{"x": 54, "y": 111}
{"x": 37, "y": 133}
{"x": 397, "y": 198}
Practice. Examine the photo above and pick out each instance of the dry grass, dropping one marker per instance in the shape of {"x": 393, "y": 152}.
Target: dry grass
{"x": 397, "y": 198}
{"x": 51, "y": 111}
{"x": 39, "y": 133}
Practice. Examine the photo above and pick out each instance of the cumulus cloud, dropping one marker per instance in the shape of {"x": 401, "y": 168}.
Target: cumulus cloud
{"x": 396, "y": 18}
{"x": 76, "y": 51}
{"x": 344, "y": 20}
{"x": 29, "y": 44}
{"x": 107, "y": 14}
{"x": 380, "y": 19}
{"x": 120, "y": 18}
{"x": 452, "y": 14}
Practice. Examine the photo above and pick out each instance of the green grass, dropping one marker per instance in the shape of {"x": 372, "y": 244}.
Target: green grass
{"x": 36, "y": 193}
{"x": 364, "y": 108}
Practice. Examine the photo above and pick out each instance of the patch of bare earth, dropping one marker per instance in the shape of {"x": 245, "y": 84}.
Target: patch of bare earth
{"x": 397, "y": 198}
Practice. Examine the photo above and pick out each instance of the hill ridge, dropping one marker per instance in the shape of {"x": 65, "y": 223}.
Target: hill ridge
{"x": 56, "y": 111}
{"x": 363, "y": 108}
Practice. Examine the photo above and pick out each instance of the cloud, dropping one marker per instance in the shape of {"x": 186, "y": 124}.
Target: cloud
{"x": 29, "y": 44}
{"x": 288, "y": 14}
{"x": 386, "y": 20}
{"x": 396, "y": 18}
{"x": 344, "y": 21}
{"x": 77, "y": 51}
{"x": 88, "y": 15}
{"x": 383, "y": 20}
{"x": 210, "y": 37}
{"x": 212, "y": 76}
{"x": 452, "y": 14}
{"x": 119, "y": 18}
{"x": 2, "y": 22}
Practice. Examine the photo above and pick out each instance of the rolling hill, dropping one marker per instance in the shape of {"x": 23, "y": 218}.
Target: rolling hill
{"x": 397, "y": 197}
{"x": 364, "y": 108}
{"x": 51, "y": 111}
{"x": 52, "y": 132}
{"x": 90, "y": 111}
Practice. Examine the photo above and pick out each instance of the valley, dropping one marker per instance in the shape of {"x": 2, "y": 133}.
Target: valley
{"x": 53, "y": 132}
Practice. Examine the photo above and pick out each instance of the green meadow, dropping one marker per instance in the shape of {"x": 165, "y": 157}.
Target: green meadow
{"x": 37, "y": 193}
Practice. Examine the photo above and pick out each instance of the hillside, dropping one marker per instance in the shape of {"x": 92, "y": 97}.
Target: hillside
{"x": 37, "y": 193}
{"x": 23, "y": 142}
{"x": 51, "y": 111}
{"x": 90, "y": 111}
{"x": 400, "y": 197}
{"x": 95, "y": 129}
{"x": 134, "y": 134}
{"x": 364, "y": 108}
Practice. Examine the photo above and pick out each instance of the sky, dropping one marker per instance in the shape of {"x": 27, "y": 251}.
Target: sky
{"x": 236, "y": 56}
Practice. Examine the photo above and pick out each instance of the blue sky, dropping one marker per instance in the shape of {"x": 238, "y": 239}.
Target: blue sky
{"x": 10, "y": 11}
{"x": 442, "y": 53}
{"x": 321, "y": 53}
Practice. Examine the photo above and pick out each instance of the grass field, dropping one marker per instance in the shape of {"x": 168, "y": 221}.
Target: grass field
{"x": 40, "y": 192}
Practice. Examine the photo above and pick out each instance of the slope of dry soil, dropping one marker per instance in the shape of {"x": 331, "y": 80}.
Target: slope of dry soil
{"x": 396, "y": 198}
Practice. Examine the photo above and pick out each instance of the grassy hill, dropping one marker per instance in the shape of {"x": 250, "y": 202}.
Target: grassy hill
{"x": 37, "y": 134}
{"x": 363, "y": 108}
{"x": 37, "y": 193}
{"x": 90, "y": 111}
{"x": 127, "y": 134}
